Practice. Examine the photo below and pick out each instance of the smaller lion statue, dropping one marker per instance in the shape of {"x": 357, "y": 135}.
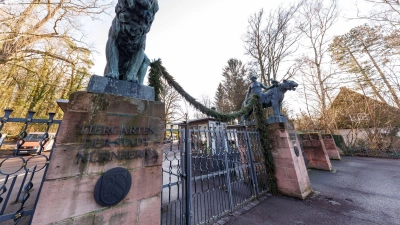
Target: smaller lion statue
{"x": 126, "y": 42}
{"x": 271, "y": 98}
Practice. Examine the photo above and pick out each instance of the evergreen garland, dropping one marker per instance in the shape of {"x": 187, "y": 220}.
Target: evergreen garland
{"x": 154, "y": 78}
{"x": 265, "y": 143}
{"x": 158, "y": 69}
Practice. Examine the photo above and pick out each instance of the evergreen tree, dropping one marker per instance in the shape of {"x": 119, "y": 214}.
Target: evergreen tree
{"x": 221, "y": 99}
{"x": 232, "y": 90}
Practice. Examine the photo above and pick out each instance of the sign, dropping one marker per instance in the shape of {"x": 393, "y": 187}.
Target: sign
{"x": 97, "y": 137}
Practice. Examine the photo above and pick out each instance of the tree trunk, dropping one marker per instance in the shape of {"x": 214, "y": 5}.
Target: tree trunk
{"x": 376, "y": 92}
{"x": 392, "y": 92}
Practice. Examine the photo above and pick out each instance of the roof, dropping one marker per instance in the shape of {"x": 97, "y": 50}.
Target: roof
{"x": 352, "y": 109}
{"x": 205, "y": 119}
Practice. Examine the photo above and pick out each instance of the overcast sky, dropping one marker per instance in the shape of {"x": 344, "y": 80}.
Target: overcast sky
{"x": 195, "y": 38}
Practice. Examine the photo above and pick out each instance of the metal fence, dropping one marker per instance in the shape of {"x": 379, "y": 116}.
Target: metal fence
{"x": 208, "y": 173}
{"x": 22, "y": 176}
{"x": 377, "y": 153}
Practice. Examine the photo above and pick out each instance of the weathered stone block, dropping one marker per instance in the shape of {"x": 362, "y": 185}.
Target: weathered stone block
{"x": 147, "y": 212}
{"x": 283, "y": 142}
{"x": 291, "y": 173}
{"x": 330, "y": 147}
{"x": 99, "y": 84}
{"x": 316, "y": 153}
{"x": 146, "y": 182}
{"x": 65, "y": 198}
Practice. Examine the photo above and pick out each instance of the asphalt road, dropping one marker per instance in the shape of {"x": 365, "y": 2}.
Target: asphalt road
{"x": 360, "y": 190}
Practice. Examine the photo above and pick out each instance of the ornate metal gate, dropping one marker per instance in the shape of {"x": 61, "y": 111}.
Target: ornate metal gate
{"x": 208, "y": 173}
{"x": 21, "y": 177}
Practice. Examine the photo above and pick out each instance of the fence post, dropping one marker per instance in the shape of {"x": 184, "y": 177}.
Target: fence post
{"x": 188, "y": 175}
{"x": 23, "y": 134}
{"x": 7, "y": 113}
{"x": 251, "y": 159}
{"x": 3, "y": 121}
{"x": 228, "y": 177}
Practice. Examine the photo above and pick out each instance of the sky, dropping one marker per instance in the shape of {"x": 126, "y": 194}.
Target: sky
{"x": 195, "y": 38}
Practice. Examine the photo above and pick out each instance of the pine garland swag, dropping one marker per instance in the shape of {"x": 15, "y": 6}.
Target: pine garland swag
{"x": 154, "y": 78}
{"x": 266, "y": 146}
{"x": 157, "y": 70}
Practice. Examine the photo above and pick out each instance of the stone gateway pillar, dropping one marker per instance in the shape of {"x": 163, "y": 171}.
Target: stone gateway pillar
{"x": 290, "y": 169}
{"x": 330, "y": 146}
{"x": 106, "y": 165}
{"x": 315, "y": 150}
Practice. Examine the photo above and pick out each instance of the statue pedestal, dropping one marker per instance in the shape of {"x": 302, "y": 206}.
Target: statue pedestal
{"x": 291, "y": 171}
{"x": 330, "y": 146}
{"x": 98, "y": 134}
{"x": 315, "y": 151}
{"x": 277, "y": 119}
{"x": 106, "y": 85}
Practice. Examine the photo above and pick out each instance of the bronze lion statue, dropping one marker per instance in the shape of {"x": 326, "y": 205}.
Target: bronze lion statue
{"x": 126, "y": 42}
{"x": 274, "y": 97}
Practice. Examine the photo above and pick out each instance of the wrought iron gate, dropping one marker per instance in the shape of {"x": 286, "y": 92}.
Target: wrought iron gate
{"x": 208, "y": 173}
{"x": 21, "y": 177}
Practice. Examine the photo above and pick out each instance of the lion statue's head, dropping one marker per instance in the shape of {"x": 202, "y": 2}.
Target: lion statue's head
{"x": 289, "y": 85}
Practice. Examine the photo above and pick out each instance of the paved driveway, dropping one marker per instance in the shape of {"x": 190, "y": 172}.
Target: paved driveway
{"x": 359, "y": 191}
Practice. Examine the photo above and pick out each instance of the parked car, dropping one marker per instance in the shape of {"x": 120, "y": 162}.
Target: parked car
{"x": 32, "y": 143}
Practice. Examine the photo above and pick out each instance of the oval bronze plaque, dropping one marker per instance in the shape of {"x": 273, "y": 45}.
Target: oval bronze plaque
{"x": 112, "y": 186}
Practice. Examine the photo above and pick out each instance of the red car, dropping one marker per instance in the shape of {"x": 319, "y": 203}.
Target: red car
{"x": 32, "y": 143}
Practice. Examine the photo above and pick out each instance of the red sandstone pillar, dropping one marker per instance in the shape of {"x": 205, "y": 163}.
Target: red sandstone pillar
{"x": 330, "y": 146}
{"x": 290, "y": 168}
{"x": 315, "y": 151}
{"x": 100, "y": 132}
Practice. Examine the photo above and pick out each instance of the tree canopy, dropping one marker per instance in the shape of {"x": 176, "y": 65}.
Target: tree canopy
{"x": 43, "y": 53}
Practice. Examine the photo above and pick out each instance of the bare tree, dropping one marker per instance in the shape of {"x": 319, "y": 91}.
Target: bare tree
{"x": 384, "y": 12}
{"x": 27, "y": 28}
{"x": 207, "y": 102}
{"x": 43, "y": 55}
{"x": 35, "y": 84}
{"x": 270, "y": 41}
{"x": 184, "y": 111}
{"x": 317, "y": 18}
{"x": 171, "y": 99}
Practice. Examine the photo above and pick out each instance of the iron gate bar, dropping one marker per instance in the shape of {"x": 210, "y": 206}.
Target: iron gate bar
{"x": 25, "y": 186}
{"x": 188, "y": 175}
{"x": 172, "y": 210}
{"x": 228, "y": 178}
{"x": 20, "y": 188}
{"x": 224, "y": 171}
{"x": 22, "y": 120}
{"x": 12, "y": 215}
{"x": 251, "y": 159}
{"x": 213, "y": 174}
{"x": 8, "y": 194}
{"x": 20, "y": 213}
